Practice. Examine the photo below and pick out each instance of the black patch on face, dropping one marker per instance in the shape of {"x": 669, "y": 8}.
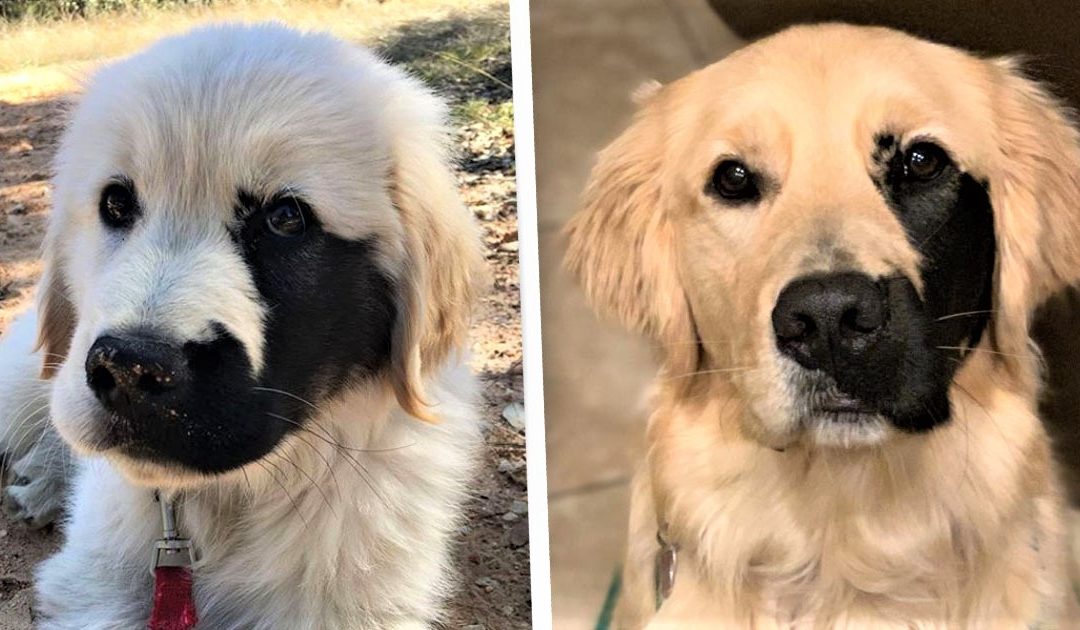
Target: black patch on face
{"x": 879, "y": 346}
{"x": 330, "y": 315}
{"x": 950, "y": 222}
{"x": 331, "y": 309}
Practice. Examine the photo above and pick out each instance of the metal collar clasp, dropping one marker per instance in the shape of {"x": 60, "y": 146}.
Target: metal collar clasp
{"x": 171, "y": 550}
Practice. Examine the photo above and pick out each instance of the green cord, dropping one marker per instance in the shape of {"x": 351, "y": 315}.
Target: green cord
{"x": 604, "y": 622}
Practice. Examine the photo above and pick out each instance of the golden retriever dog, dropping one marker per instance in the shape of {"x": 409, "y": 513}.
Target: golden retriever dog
{"x": 250, "y": 331}
{"x": 836, "y": 237}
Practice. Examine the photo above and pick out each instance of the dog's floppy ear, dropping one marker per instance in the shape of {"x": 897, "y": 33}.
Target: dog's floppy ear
{"x": 622, "y": 243}
{"x": 56, "y": 314}
{"x": 444, "y": 269}
{"x": 1035, "y": 193}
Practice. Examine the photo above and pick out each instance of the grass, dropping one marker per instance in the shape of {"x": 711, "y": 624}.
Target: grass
{"x": 459, "y": 47}
{"x": 467, "y": 59}
{"x": 32, "y": 44}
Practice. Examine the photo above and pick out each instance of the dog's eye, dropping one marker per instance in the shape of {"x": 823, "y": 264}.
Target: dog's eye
{"x": 286, "y": 217}
{"x": 734, "y": 181}
{"x": 925, "y": 161}
{"x": 118, "y": 207}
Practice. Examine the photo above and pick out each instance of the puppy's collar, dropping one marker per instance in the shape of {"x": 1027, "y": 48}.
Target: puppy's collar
{"x": 173, "y": 607}
{"x": 665, "y": 566}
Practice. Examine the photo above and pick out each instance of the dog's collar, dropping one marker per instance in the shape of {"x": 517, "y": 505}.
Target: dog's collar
{"x": 173, "y": 607}
{"x": 665, "y": 566}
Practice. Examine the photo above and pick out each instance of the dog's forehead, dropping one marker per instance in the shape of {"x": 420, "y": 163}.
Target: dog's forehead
{"x": 834, "y": 85}
{"x": 195, "y": 121}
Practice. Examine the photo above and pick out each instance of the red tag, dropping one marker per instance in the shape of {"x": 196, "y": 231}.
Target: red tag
{"x": 174, "y": 606}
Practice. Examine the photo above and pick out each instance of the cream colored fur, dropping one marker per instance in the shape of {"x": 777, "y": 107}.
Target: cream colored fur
{"x": 783, "y": 527}
{"x": 347, "y": 523}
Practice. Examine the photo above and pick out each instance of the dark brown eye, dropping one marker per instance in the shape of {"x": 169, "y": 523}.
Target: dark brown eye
{"x": 734, "y": 181}
{"x": 925, "y": 161}
{"x": 118, "y": 207}
{"x": 286, "y": 217}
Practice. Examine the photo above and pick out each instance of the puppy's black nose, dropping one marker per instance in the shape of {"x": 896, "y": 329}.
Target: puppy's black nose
{"x": 828, "y": 319}
{"x": 128, "y": 371}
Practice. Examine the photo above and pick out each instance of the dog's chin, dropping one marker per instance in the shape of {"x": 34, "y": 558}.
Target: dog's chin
{"x": 844, "y": 429}
{"x": 832, "y": 429}
{"x": 84, "y": 427}
{"x": 148, "y": 474}
{"x": 140, "y": 470}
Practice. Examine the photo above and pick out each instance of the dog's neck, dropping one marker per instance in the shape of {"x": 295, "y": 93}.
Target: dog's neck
{"x": 909, "y": 521}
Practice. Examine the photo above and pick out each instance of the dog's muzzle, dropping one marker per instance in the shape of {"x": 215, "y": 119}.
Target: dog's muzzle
{"x": 829, "y": 322}
{"x": 133, "y": 374}
{"x": 190, "y": 403}
{"x": 866, "y": 346}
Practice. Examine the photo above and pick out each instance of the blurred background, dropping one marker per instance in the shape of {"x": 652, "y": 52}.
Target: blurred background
{"x": 588, "y": 57}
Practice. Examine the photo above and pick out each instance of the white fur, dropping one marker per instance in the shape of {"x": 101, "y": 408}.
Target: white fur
{"x": 323, "y": 537}
{"x": 347, "y": 523}
{"x": 35, "y": 460}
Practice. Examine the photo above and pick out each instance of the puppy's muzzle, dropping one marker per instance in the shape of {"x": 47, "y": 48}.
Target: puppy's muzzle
{"x": 160, "y": 392}
{"x": 189, "y": 403}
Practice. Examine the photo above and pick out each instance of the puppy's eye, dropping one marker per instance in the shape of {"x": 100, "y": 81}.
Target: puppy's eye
{"x": 118, "y": 207}
{"x": 925, "y": 161}
{"x": 734, "y": 181}
{"x": 286, "y": 217}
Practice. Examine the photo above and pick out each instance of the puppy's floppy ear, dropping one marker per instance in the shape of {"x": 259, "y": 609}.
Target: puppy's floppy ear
{"x": 56, "y": 314}
{"x": 622, "y": 243}
{"x": 1035, "y": 193}
{"x": 444, "y": 267}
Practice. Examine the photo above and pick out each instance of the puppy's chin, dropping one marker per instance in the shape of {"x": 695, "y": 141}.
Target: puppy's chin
{"x": 159, "y": 476}
{"x": 83, "y": 434}
{"x": 83, "y": 424}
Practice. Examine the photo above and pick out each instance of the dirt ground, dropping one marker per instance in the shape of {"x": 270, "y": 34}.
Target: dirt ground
{"x": 466, "y": 58}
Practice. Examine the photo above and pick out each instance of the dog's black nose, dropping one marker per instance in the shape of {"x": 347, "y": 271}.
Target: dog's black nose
{"x": 128, "y": 371}
{"x": 825, "y": 319}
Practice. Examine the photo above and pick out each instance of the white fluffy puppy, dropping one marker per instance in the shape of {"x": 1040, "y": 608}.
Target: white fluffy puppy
{"x": 258, "y": 281}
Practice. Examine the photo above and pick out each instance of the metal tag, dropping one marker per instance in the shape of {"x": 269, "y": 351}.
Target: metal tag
{"x": 667, "y": 564}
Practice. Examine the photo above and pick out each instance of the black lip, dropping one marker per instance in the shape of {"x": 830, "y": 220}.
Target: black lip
{"x": 862, "y": 411}
{"x": 846, "y": 405}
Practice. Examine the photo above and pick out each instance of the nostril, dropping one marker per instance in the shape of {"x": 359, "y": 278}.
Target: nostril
{"x": 863, "y": 318}
{"x": 851, "y": 320}
{"x": 101, "y": 380}
{"x": 805, "y": 326}
{"x": 130, "y": 368}
{"x": 795, "y": 327}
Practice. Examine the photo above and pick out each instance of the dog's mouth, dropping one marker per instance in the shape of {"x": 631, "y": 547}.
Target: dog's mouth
{"x": 178, "y": 441}
{"x": 863, "y": 349}
{"x": 842, "y": 406}
{"x": 829, "y": 417}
